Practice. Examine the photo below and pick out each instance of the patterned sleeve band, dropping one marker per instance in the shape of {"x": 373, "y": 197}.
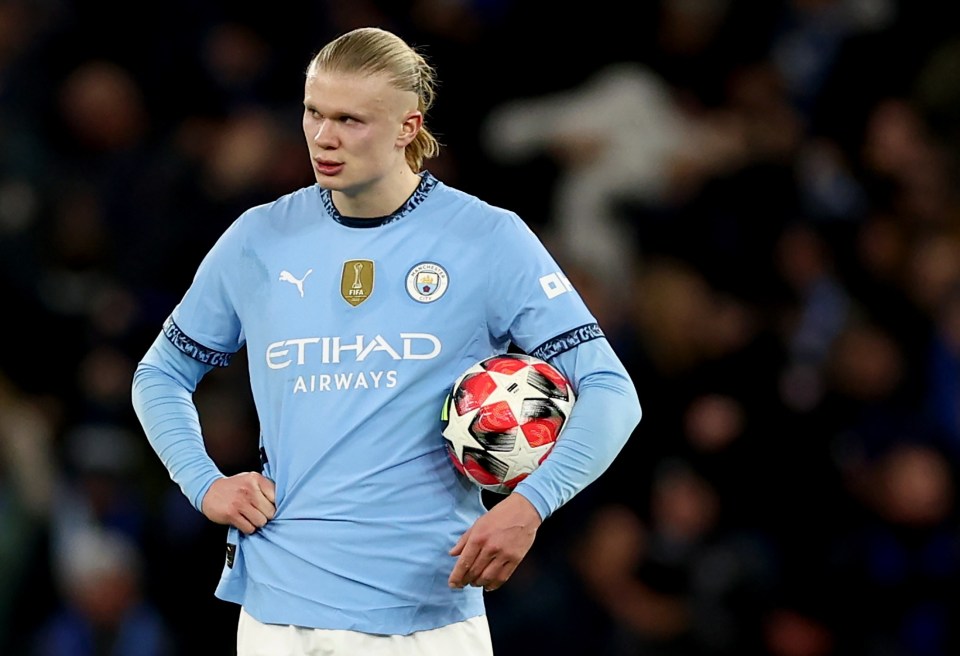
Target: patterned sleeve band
{"x": 196, "y": 351}
{"x": 568, "y": 340}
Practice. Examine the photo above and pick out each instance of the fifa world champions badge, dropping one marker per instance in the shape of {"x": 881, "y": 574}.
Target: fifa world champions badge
{"x": 356, "y": 281}
{"x": 427, "y": 282}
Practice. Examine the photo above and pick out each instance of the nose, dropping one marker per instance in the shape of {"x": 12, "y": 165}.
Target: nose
{"x": 325, "y": 136}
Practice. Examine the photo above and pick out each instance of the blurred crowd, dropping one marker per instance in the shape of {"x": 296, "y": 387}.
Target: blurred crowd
{"x": 758, "y": 200}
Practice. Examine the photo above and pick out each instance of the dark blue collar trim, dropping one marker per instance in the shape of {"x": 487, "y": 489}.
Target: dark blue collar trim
{"x": 427, "y": 183}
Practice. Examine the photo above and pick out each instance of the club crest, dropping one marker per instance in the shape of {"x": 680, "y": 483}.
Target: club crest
{"x": 427, "y": 282}
{"x": 356, "y": 281}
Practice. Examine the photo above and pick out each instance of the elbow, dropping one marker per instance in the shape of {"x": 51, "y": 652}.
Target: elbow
{"x": 146, "y": 377}
{"x": 139, "y": 374}
{"x": 636, "y": 410}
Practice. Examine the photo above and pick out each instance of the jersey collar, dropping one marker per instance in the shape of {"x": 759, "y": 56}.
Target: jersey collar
{"x": 427, "y": 183}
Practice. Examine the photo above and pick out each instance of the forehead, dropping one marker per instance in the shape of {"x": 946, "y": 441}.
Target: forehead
{"x": 355, "y": 92}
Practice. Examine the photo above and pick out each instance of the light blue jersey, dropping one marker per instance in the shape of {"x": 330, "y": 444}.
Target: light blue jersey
{"x": 355, "y": 331}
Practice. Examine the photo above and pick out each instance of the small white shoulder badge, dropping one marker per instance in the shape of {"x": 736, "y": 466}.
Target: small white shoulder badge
{"x": 427, "y": 282}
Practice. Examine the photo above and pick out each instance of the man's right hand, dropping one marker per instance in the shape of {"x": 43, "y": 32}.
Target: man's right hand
{"x": 245, "y": 501}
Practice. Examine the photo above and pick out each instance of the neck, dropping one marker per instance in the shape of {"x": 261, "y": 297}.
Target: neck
{"x": 380, "y": 198}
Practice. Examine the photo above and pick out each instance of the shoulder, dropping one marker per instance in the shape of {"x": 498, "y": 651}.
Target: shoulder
{"x": 471, "y": 212}
{"x": 287, "y": 208}
{"x": 262, "y": 223}
{"x": 287, "y": 216}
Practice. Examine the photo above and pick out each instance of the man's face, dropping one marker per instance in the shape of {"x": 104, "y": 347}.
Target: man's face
{"x": 356, "y": 127}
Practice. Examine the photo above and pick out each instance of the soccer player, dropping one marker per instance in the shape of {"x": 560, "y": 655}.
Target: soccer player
{"x": 360, "y": 299}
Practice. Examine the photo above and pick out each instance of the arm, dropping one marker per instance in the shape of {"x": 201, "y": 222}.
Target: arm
{"x": 603, "y": 419}
{"x": 605, "y": 415}
{"x": 162, "y": 395}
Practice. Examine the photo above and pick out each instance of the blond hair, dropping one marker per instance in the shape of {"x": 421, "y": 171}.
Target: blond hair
{"x": 372, "y": 50}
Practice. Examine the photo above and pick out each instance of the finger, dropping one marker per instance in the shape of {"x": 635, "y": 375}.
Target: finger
{"x": 495, "y": 575}
{"x": 243, "y": 525}
{"x": 254, "y": 516}
{"x": 458, "y": 547}
{"x": 264, "y": 506}
{"x": 269, "y": 489}
{"x": 458, "y": 577}
{"x": 476, "y": 571}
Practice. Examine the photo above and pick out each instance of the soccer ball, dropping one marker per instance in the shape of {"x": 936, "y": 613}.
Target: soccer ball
{"x": 502, "y": 418}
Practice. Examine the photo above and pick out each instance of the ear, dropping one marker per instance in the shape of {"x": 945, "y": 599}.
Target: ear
{"x": 409, "y": 128}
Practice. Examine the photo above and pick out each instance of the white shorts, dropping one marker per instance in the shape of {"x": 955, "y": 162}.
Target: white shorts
{"x": 468, "y": 638}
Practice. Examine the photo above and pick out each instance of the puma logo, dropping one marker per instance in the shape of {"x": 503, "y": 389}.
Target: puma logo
{"x": 286, "y": 276}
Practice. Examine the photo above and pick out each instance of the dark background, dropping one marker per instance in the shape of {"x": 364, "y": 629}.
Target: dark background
{"x": 784, "y": 292}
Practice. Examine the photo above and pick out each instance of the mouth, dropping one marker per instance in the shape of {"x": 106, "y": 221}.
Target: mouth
{"x": 326, "y": 167}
